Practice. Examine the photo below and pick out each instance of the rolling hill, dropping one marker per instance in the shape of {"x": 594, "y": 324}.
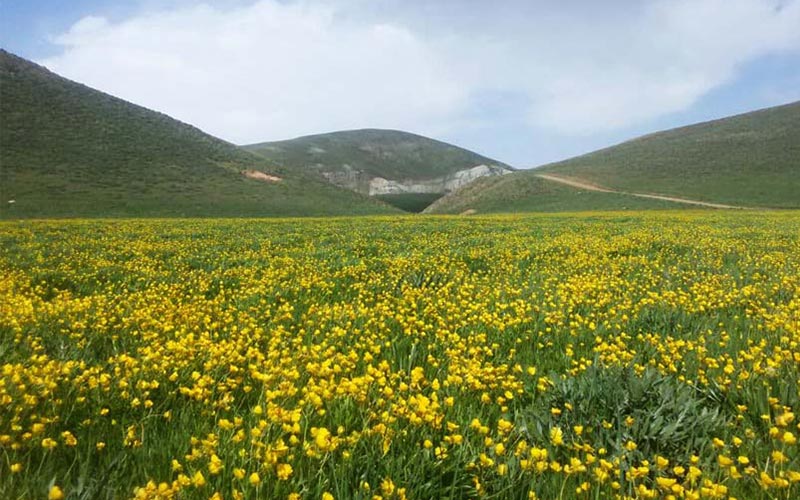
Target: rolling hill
{"x": 749, "y": 160}
{"x": 67, "y": 150}
{"x": 523, "y": 192}
{"x": 752, "y": 159}
{"x": 405, "y": 169}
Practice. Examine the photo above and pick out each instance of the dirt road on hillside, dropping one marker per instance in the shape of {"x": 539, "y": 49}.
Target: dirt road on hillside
{"x": 592, "y": 187}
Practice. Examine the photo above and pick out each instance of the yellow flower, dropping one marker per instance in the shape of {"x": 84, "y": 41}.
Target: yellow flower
{"x": 254, "y": 479}
{"x": 68, "y": 438}
{"x": 17, "y": 467}
{"x": 327, "y": 496}
{"x": 387, "y": 487}
{"x": 198, "y": 479}
{"x": 556, "y": 436}
{"x": 778, "y": 457}
{"x": 55, "y": 493}
{"x": 724, "y": 461}
{"x": 284, "y": 471}
{"x": 215, "y": 465}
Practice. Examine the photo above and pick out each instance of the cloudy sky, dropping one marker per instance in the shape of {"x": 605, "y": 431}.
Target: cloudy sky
{"x": 527, "y": 82}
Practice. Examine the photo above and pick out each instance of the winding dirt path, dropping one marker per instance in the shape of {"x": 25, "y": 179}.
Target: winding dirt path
{"x": 593, "y": 187}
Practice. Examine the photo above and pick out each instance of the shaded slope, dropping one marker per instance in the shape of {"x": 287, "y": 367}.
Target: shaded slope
{"x": 67, "y": 150}
{"x": 751, "y": 159}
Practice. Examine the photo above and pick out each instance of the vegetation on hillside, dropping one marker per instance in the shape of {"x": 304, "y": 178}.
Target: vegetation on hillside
{"x": 524, "y": 192}
{"x": 390, "y": 154}
{"x": 751, "y": 159}
{"x": 67, "y": 150}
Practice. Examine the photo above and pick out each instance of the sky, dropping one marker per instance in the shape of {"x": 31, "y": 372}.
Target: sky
{"x": 523, "y": 81}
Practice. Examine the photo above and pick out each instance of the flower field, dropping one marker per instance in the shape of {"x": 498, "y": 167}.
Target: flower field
{"x": 593, "y": 356}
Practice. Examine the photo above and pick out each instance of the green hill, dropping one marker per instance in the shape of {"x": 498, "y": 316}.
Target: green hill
{"x": 407, "y": 170}
{"x": 524, "y": 192}
{"x": 67, "y": 150}
{"x": 751, "y": 159}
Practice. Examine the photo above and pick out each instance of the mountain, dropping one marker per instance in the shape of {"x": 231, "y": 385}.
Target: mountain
{"x": 405, "y": 169}
{"x": 750, "y": 160}
{"x": 67, "y": 150}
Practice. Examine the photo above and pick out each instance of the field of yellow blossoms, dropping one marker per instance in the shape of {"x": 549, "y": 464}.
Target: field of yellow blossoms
{"x": 564, "y": 356}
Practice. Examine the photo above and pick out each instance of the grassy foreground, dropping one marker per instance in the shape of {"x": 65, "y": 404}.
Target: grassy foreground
{"x": 635, "y": 355}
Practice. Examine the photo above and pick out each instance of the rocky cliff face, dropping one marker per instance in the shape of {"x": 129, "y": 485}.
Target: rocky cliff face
{"x": 358, "y": 181}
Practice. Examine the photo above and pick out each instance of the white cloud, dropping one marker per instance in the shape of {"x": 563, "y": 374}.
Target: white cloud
{"x": 272, "y": 70}
{"x": 264, "y": 71}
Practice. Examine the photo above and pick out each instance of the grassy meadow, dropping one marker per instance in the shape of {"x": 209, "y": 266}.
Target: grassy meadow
{"x": 594, "y": 355}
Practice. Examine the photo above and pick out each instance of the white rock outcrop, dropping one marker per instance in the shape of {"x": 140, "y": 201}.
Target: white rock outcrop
{"x": 446, "y": 184}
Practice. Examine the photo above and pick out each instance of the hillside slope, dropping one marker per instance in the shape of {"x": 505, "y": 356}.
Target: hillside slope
{"x": 67, "y": 150}
{"x": 749, "y": 160}
{"x": 406, "y": 169}
{"x": 525, "y": 192}
{"x": 752, "y": 159}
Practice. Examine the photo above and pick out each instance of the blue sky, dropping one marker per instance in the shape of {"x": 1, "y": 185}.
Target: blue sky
{"x": 526, "y": 82}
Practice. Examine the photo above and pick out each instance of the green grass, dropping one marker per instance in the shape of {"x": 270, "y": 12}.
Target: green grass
{"x": 178, "y": 344}
{"x": 390, "y": 154}
{"x": 70, "y": 151}
{"x": 410, "y": 202}
{"x": 751, "y": 159}
{"x": 524, "y": 192}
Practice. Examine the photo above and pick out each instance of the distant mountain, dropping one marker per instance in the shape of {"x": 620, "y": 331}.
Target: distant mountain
{"x": 67, "y": 150}
{"x": 749, "y": 160}
{"x": 405, "y": 169}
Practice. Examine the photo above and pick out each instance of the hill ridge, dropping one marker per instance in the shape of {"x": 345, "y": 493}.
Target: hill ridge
{"x": 403, "y": 168}
{"x": 68, "y": 150}
{"x": 748, "y": 160}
